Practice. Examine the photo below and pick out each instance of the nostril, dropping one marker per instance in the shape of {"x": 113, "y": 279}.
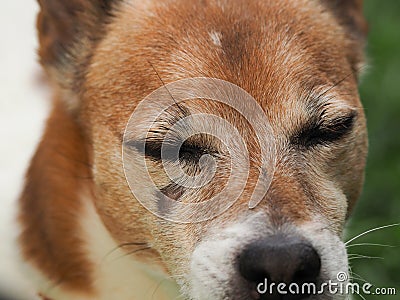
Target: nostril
{"x": 280, "y": 258}
{"x": 309, "y": 264}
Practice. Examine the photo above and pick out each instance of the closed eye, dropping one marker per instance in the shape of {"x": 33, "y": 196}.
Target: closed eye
{"x": 324, "y": 132}
{"x": 187, "y": 151}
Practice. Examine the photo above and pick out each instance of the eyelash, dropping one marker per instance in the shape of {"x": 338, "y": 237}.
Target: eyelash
{"x": 187, "y": 152}
{"x": 321, "y": 134}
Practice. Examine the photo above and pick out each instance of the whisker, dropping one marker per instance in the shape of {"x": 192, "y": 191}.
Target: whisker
{"x": 164, "y": 279}
{"x": 169, "y": 92}
{"x": 132, "y": 252}
{"x": 157, "y": 287}
{"x": 181, "y": 296}
{"x": 357, "y": 277}
{"x": 370, "y": 244}
{"x": 339, "y": 82}
{"x": 359, "y": 256}
{"x": 369, "y": 231}
{"x": 124, "y": 245}
{"x": 361, "y": 296}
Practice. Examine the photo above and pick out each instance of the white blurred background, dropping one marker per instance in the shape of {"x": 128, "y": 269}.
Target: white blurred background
{"x": 23, "y": 109}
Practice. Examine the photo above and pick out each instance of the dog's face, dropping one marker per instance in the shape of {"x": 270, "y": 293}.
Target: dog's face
{"x": 299, "y": 60}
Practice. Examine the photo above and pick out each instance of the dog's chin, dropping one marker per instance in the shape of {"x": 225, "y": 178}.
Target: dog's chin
{"x": 232, "y": 293}
{"x": 239, "y": 290}
{"x": 214, "y": 271}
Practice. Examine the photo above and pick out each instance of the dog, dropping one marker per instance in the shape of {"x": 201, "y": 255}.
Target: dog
{"x": 93, "y": 227}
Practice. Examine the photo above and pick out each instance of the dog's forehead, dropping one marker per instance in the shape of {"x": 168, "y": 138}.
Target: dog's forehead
{"x": 279, "y": 52}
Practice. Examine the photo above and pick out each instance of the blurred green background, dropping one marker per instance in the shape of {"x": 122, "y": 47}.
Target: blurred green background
{"x": 380, "y": 202}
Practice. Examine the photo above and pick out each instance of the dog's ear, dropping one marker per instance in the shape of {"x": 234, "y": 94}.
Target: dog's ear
{"x": 68, "y": 31}
{"x": 350, "y": 15}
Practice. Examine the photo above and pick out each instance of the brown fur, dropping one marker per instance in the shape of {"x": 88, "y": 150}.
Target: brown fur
{"x": 59, "y": 170}
{"x": 277, "y": 52}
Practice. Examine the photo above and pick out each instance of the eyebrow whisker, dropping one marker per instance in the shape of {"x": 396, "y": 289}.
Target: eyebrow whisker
{"x": 353, "y": 72}
{"x": 184, "y": 112}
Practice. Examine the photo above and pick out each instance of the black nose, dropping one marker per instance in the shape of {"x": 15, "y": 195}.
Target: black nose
{"x": 280, "y": 258}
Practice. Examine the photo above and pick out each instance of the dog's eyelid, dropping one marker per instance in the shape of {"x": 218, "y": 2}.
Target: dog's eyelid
{"x": 343, "y": 118}
{"x": 149, "y": 149}
{"x": 152, "y": 149}
{"x": 325, "y": 130}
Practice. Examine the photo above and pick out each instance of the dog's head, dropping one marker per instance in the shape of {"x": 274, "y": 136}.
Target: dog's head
{"x": 298, "y": 60}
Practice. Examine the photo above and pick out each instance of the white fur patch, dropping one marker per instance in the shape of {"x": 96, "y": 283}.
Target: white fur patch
{"x": 212, "y": 267}
{"x": 118, "y": 275}
{"x": 216, "y": 38}
{"x": 213, "y": 270}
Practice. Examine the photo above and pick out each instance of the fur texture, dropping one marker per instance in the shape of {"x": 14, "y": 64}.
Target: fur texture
{"x": 299, "y": 59}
